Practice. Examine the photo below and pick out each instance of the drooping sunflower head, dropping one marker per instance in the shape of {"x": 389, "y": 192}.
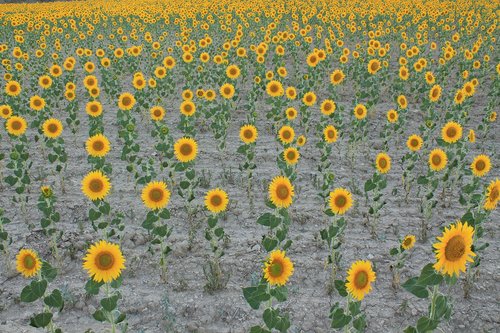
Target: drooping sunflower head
{"x": 16, "y": 125}
{"x": 414, "y": 142}
{"x": 451, "y": 132}
{"x": 291, "y": 155}
{"x": 188, "y": 108}
{"x": 481, "y": 165}
{"x": 5, "y": 111}
{"x": 281, "y": 192}
{"x": 492, "y": 117}
{"x": 126, "y": 101}
{"x": 359, "y": 279}
{"x": 360, "y": 111}
{"x": 52, "y": 128}
{"x": 12, "y": 88}
{"x": 492, "y": 195}
{"x": 157, "y": 113}
{"x": 28, "y": 263}
{"x": 328, "y": 107}
{"x": 37, "y": 103}
{"x": 278, "y": 268}
{"x": 286, "y": 134}
{"x": 274, "y": 88}
{"x": 227, "y": 90}
{"x": 216, "y": 200}
{"x": 97, "y": 145}
{"x": 104, "y": 261}
{"x": 248, "y": 134}
{"x": 437, "y": 159}
{"x": 392, "y": 116}
{"x": 383, "y": 162}
{"x": 408, "y": 242}
{"x": 185, "y": 149}
{"x": 330, "y": 134}
{"x": 94, "y": 108}
{"x": 96, "y": 185}
{"x": 309, "y": 98}
{"x": 340, "y": 201}
{"x": 155, "y": 195}
{"x": 454, "y": 249}
{"x": 337, "y": 77}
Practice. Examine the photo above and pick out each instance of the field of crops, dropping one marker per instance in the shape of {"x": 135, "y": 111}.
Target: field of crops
{"x": 249, "y": 166}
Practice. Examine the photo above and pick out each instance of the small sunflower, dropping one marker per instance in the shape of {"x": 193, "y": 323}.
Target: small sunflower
{"x": 301, "y": 141}
{"x": 291, "y": 113}
{"x": 248, "y": 134}
{"x": 52, "y": 128}
{"x": 435, "y": 93}
{"x": 291, "y": 155}
{"x": 28, "y": 263}
{"x": 12, "y": 88}
{"x": 454, "y": 249}
{"x": 155, "y": 195}
{"x": 402, "y": 102}
{"x": 481, "y": 165}
{"x": 286, "y": 134}
{"x": 392, "y": 116}
{"x": 16, "y": 125}
{"x": 309, "y": 98}
{"x": 5, "y": 111}
{"x": 492, "y": 195}
{"x": 472, "y": 136}
{"x": 188, "y": 108}
{"x": 408, "y": 242}
{"x": 373, "y": 66}
{"x": 233, "y": 72}
{"x": 451, "y": 132}
{"x": 185, "y": 149}
{"x": 227, "y": 90}
{"x": 383, "y": 162}
{"x": 104, "y": 261}
{"x": 37, "y": 103}
{"x": 126, "y": 101}
{"x": 291, "y": 93}
{"x": 340, "y": 201}
{"x": 437, "y": 159}
{"x": 414, "y": 142}
{"x": 278, "y": 268}
{"x": 281, "y": 192}
{"x": 327, "y": 107}
{"x": 459, "y": 97}
{"x": 45, "y": 81}
{"x": 157, "y": 113}
{"x": 97, "y": 145}
{"x": 360, "y": 112}
{"x": 274, "y": 88}
{"x": 337, "y": 77}
{"x": 330, "y": 134}
{"x": 94, "y": 108}
{"x": 359, "y": 279}
{"x": 216, "y": 200}
{"x": 96, "y": 185}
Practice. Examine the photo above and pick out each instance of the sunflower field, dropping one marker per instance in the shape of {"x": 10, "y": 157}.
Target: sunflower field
{"x": 249, "y": 166}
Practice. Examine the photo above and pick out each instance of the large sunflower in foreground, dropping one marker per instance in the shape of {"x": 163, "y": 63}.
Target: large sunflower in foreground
{"x": 437, "y": 159}
{"x": 97, "y": 145}
{"x": 340, "y": 201}
{"x": 481, "y": 165}
{"x": 96, "y": 185}
{"x": 52, "y": 128}
{"x": 383, "y": 162}
{"x": 451, "y": 132}
{"x": 185, "y": 149}
{"x": 16, "y": 125}
{"x": 492, "y": 195}
{"x": 155, "y": 195}
{"x": 454, "y": 249}
{"x": 359, "y": 279}
{"x": 28, "y": 263}
{"x": 216, "y": 200}
{"x": 278, "y": 268}
{"x": 104, "y": 261}
{"x": 281, "y": 192}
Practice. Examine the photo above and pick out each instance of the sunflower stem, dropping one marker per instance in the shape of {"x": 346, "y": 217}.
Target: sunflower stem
{"x": 435, "y": 292}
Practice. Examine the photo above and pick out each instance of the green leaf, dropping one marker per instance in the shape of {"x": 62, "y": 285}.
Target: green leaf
{"x": 109, "y": 304}
{"x": 425, "y": 324}
{"x": 33, "y": 291}
{"x": 269, "y": 243}
{"x": 269, "y": 317}
{"x": 258, "y": 329}
{"x": 429, "y": 277}
{"x": 256, "y": 295}
{"x": 54, "y": 300}
{"x": 359, "y": 323}
{"x": 417, "y": 290}
{"x": 369, "y": 185}
{"x": 280, "y": 293}
{"x": 410, "y": 329}
{"x": 92, "y": 287}
{"x": 339, "y": 319}
{"x": 94, "y": 214}
{"x": 49, "y": 273}
{"x": 268, "y": 220}
{"x": 99, "y": 316}
{"x": 340, "y": 286}
{"x": 41, "y": 319}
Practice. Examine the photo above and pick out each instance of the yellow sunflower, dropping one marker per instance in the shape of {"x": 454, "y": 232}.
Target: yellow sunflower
{"x": 96, "y": 185}
{"x": 5, "y": 111}
{"x": 472, "y": 136}
{"x": 359, "y": 279}
{"x": 281, "y": 192}
{"x": 45, "y": 81}
{"x": 328, "y": 107}
{"x": 383, "y": 162}
{"x": 185, "y": 149}
{"x": 16, "y": 125}
{"x": 414, "y": 142}
{"x": 435, "y": 93}
{"x": 454, "y": 249}
{"x": 278, "y": 268}
{"x": 373, "y": 66}
{"x": 330, "y": 134}
{"x": 360, "y": 111}
{"x": 157, "y": 113}
{"x": 155, "y": 195}
{"x": 392, "y": 116}
{"x": 451, "y": 132}
{"x": 52, "y": 128}
{"x": 459, "y": 97}
{"x": 286, "y": 134}
{"x": 90, "y": 81}
{"x": 291, "y": 113}
{"x": 37, "y": 103}
{"x": 309, "y": 98}
{"x": 492, "y": 195}
{"x": 97, "y": 145}
{"x": 126, "y": 101}
{"x": 28, "y": 263}
{"x": 291, "y": 155}
{"x": 248, "y": 134}
{"x": 227, "y": 90}
{"x": 274, "y": 88}
{"x": 408, "y": 242}
{"x": 301, "y": 140}
{"x": 12, "y": 88}
{"x": 337, "y": 77}
{"x": 402, "y": 101}
{"x": 340, "y": 201}
{"x": 233, "y": 71}
{"x": 291, "y": 93}
{"x": 94, "y": 108}
{"x": 437, "y": 159}
{"x": 104, "y": 261}
{"x": 188, "y": 108}
{"x": 216, "y": 200}
{"x": 481, "y": 165}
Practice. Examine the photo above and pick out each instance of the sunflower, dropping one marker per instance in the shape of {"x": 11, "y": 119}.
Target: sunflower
{"x": 459, "y": 97}
{"x": 469, "y": 89}
{"x": 28, "y": 263}
{"x": 52, "y": 128}
{"x": 139, "y": 82}
{"x": 340, "y": 201}
{"x": 37, "y": 103}
{"x": 408, "y": 242}
{"x": 69, "y": 95}
{"x": 437, "y": 159}
{"x": 454, "y": 249}
{"x": 286, "y": 134}
{"x": 97, "y": 145}
{"x": 291, "y": 155}
{"x": 472, "y": 136}
{"x": 248, "y": 134}
{"x": 291, "y": 113}
{"x": 12, "y": 88}
{"x": 359, "y": 279}
{"x": 301, "y": 141}
{"x": 404, "y": 74}
{"x": 55, "y": 70}
{"x": 337, "y": 77}
{"x": 188, "y": 108}
{"x": 414, "y": 142}
{"x": 402, "y": 102}
{"x": 233, "y": 72}
{"x": 481, "y": 165}
{"x": 328, "y": 107}
{"x": 451, "y": 132}
{"x": 435, "y": 93}
{"x": 187, "y": 95}
{"x": 278, "y": 268}
{"x": 383, "y": 162}
{"x": 16, "y": 125}
{"x": 96, "y": 185}
{"x": 360, "y": 111}
{"x": 330, "y": 134}
{"x": 492, "y": 117}
{"x": 309, "y": 99}
{"x": 291, "y": 93}
{"x": 155, "y": 195}
{"x": 274, "y": 88}
{"x": 94, "y": 108}
{"x": 216, "y": 200}
{"x": 104, "y": 261}
{"x": 5, "y": 111}
{"x": 492, "y": 195}
{"x": 157, "y": 113}
{"x": 227, "y": 90}
{"x": 281, "y": 192}
{"x": 126, "y": 101}
{"x": 392, "y": 116}
{"x": 90, "y": 81}
{"x": 45, "y": 81}
{"x": 186, "y": 149}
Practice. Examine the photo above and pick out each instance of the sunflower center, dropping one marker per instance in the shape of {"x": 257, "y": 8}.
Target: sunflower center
{"x": 156, "y": 195}
{"x": 330, "y": 134}
{"x": 29, "y": 262}
{"x": 287, "y": 135}
{"x": 45, "y": 82}
{"x": 414, "y": 143}
{"x": 340, "y": 201}
{"x": 248, "y": 134}
{"x": 157, "y": 112}
{"x": 126, "y": 101}
{"x": 336, "y": 77}
{"x": 104, "y": 260}
{"x": 216, "y": 200}
{"x": 98, "y": 145}
{"x": 186, "y": 149}
{"x": 282, "y": 191}
{"x": 407, "y": 241}
{"x": 16, "y": 125}
{"x": 455, "y": 248}
{"x": 309, "y": 98}
{"x": 382, "y": 163}
{"x": 361, "y": 279}
{"x": 274, "y": 88}
{"x": 436, "y": 159}
{"x": 140, "y": 82}
{"x": 359, "y": 111}
{"x": 290, "y": 155}
{"x": 188, "y": 108}
{"x": 480, "y": 165}
{"x": 37, "y": 102}
{"x": 96, "y": 185}
{"x": 374, "y": 66}
{"x": 232, "y": 71}
{"x": 276, "y": 269}
{"x": 494, "y": 194}
{"x": 53, "y": 128}
{"x": 327, "y": 107}
{"x": 94, "y": 108}
{"x": 451, "y": 132}
{"x": 13, "y": 88}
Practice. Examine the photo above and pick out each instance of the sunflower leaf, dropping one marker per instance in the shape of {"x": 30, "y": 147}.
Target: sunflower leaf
{"x": 41, "y": 319}
{"x": 92, "y": 287}
{"x": 429, "y": 277}
{"x": 256, "y": 295}
{"x": 55, "y": 300}
{"x": 417, "y": 290}
{"x": 33, "y": 291}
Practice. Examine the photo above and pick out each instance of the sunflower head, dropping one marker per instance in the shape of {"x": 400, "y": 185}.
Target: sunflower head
{"x": 392, "y": 116}
{"x": 359, "y": 279}
{"x": 481, "y": 165}
{"x": 185, "y": 149}
{"x": 286, "y": 134}
{"x": 330, "y": 134}
{"x": 281, "y": 192}
{"x": 437, "y": 159}
{"x": 52, "y": 128}
{"x": 97, "y": 145}
{"x": 104, "y": 261}
{"x": 492, "y": 195}
{"x": 414, "y": 142}
{"x": 309, "y": 98}
{"x": 155, "y": 195}
{"x": 340, "y": 201}
{"x": 408, "y": 242}
{"x": 28, "y": 263}
{"x": 216, "y": 200}
{"x": 188, "y": 108}
{"x": 360, "y": 112}
{"x": 451, "y": 132}
{"x": 337, "y": 77}
{"x": 328, "y": 107}
{"x": 5, "y": 111}
{"x": 274, "y": 88}
{"x": 278, "y": 268}
{"x": 248, "y": 134}
{"x": 16, "y": 125}
{"x": 227, "y": 90}
{"x": 126, "y": 101}
{"x": 291, "y": 155}
{"x": 96, "y": 185}
{"x": 157, "y": 113}
{"x": 383, "y": 162}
